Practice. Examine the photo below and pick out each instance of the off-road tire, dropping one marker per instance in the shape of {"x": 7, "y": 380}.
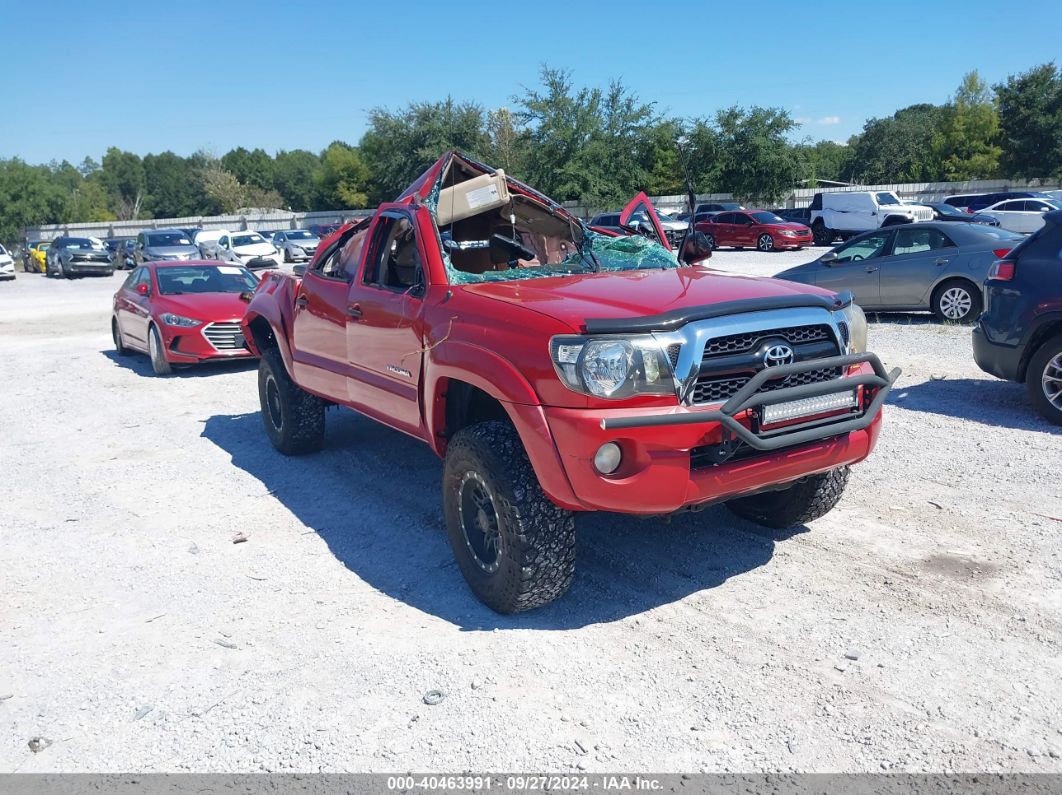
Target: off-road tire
{"x": 155, "y": 351}
{"x": 803, "y": 502}
{"x": 948, "y": 287}
{"x": 1049, "y": 351}
{"x": 116, "y": 335}
{"x": 294, "y": 420}
{"x": 820, "y": 234}
{"x": 535, "y": 552}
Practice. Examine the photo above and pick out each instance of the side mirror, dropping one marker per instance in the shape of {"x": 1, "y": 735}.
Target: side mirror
{"x": 696, "y": 247}
{"x": 142, "y": 289}
{"x": 828, "y": 258}
{"x": 299, "y": 270}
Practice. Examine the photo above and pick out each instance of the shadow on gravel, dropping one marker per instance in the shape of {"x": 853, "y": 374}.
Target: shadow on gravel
{"x": 373, "y": 495}
{"x": 140, "y": 364}
{"x": 999, "y": 403}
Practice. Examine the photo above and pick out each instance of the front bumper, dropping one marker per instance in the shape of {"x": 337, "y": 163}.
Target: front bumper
{"x": 190, "y": 345}
{"x": 693, "y": 456}
{"x": 89, "y": 268}
{"x": 266, "y": 262}
{"x": 782, "y": 241}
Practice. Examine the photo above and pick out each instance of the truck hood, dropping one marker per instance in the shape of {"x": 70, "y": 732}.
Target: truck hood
{"x": 629, "y": 294}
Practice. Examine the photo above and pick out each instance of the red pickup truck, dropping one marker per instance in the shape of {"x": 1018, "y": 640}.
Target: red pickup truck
{"x": 557, "y": 369}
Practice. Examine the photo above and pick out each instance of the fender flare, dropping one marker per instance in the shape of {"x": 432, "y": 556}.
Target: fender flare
{"x": 1044, "y": 327}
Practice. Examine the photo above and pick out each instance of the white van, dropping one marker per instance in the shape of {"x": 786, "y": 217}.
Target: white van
{"x": 207, "y": 241}
{"x": 847, "y": 213}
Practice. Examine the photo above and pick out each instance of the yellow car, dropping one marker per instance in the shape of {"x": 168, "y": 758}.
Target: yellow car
{"x": 37, "y": 252}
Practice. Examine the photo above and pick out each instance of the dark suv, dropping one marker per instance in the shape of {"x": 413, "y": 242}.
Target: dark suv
{"x": 1019, "y": 336}
{"x": 988, "y": 199}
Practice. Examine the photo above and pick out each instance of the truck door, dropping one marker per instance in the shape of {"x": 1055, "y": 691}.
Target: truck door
{"x": 319, "y": 341}
{"x": 384, "y": 319}
{"x": 640, "y": 215}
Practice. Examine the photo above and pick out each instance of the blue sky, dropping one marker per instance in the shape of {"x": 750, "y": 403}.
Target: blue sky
{"x": 81, "y": 76}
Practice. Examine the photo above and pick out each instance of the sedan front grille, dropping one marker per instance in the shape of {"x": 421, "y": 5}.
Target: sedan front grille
{"x": 225, "y": 336}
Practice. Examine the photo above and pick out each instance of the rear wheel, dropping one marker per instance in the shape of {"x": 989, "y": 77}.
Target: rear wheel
{"x": 711, "y": 240}
{"x": 293, "y": 419}
{"x": 957, "y": 301}
{"x": 765, "y": 242}
{"x": 803, "y": 502}
{"x": 821, "y": 235}
{"x": 157, "y": 352}
{"x": 1044, "y": 380}
{"x": 515, "y": 548}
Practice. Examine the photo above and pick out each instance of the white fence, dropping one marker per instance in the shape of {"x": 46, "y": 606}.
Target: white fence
{"x": 277, "y": 219}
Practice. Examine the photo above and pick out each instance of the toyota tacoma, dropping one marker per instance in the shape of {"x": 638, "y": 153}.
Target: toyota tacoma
{"x": 556, "y": 370}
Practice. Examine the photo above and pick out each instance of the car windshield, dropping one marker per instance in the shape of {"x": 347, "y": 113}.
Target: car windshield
{"x": 888, "y": 198}
{"x": 82, "y": 243}
{"x": 205, "y": 279}
{"x": 168, "y": 239}
{"x": 299, "y": 234}
{"x": 247, "y": 240}
{"x": 947, "y": 209}
{"x": 764, "y": 217}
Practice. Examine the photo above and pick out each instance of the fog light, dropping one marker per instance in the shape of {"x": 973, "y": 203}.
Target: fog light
{"x": 607, "y": 458}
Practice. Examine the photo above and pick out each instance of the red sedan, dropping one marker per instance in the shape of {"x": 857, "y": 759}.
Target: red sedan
{"x": 754, "y": 229}
{"x": 182, "y": 312}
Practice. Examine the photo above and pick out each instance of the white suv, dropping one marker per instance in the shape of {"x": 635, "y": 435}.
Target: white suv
{"x": 847, "y": 213}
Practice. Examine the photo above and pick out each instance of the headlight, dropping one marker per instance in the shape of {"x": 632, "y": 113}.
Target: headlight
{"x": 789, "y": 233}
{"x": 171, "y": 319}
{"x": 613, "y": 367}
{"x": 298, "y": 249}
{"x": 853, "y": 325}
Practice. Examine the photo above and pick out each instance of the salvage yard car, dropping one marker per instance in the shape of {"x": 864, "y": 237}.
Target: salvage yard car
{"x": 937, "y": 266}
{"x": 1019, "y": 336}
{"x": 34, "y": 256}
{"x": 559, "y": 370}
{"x": 164, "y": 245}
{"x": 296, "y": 245}
{"x": 850, "y": 212}
{"x": 7, "y": 265}
{"x": 754, "y": 228}
{"x": 72, "y": 257}
{"x": 182, "y": 313}
{"x": 249, "y": 249}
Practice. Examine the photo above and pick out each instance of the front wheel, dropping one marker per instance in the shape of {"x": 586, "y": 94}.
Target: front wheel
{"x": 957, "y": 302}
{"x": 803, "y": 502}
{"x": 1044, "y": 380}
{"x": 765, "y": 242}
{"x": 820, "y": 234}
{"x": 157, "y": 352}
{"x": 293, "y": 419}
{"x": 515, "y": 548}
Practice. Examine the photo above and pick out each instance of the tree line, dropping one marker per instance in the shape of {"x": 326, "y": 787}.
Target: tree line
{"x": 592, "y": 144}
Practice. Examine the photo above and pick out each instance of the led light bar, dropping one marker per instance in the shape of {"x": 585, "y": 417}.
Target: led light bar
{"x": 780, "y": 412}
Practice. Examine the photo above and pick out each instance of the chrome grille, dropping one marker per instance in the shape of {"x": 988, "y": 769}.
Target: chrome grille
{"x": 739, "y": 343}
{"x": 225, "y": 336}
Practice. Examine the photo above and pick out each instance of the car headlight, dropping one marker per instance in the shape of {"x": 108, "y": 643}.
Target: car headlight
{"x": 853, "y": 325}
{"x": 613, "y": 367}
{"x": 171, "y": 319}
{"x": 789, "y": 232}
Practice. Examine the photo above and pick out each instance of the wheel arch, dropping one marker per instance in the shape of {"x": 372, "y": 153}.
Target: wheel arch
{"x": 1048, "y": 327}
{"x": 895, "y": 220}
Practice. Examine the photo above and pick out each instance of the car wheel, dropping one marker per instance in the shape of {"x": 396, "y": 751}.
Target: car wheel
{"x": 765, "y": 242}
{"x": 293, "y": 419}
{"x": 158, "y": 355}
{"x": 711, "y": 241}
{"x": 515, "y": 548}
{"x": 1044, "y": 380}
{"x": 116, "y": 335}
{"x": 287, "y": 254}
{"x": 820, "y": 234}
{"x": 957, "y": 301}
{"x": 803, "y": 502}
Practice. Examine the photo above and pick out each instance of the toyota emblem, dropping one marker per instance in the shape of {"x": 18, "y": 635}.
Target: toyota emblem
{"x": 777, "y": 355}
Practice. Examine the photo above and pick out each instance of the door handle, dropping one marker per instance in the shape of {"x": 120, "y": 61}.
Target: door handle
{"x": 354, "y": 310}
{"x": 871, "y": 270}
{"x": 941, "y": 261}
{"x": 302, "y": 300}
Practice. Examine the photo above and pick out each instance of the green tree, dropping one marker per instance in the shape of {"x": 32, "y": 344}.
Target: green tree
{"x": 660, "y": 155}
{"x": 253, "y": 167}
{"x": 971, "y": 131}
{"x": 399, "y": 145}
{"x": 509, "y": 146}
{"x": 175, "y": 186}
{"x": 756, "y": 161}
{"x": 1030, "y": 121}
{"x": 28, "y": 197}
{"x": 343, "y": 178}
{"x": 295, "y": 179}
{"x": 906, "y": 147}
{"x": 823, "y": 160}
{"x": 122, "y": 177}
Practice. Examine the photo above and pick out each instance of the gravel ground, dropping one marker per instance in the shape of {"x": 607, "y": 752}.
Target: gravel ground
{"x": 918, "y": 627}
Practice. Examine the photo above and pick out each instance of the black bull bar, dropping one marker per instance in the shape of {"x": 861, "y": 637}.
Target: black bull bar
{"x": 749, "y": 397}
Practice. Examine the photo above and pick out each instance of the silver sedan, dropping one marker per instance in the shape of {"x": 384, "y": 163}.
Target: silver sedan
{"x": 930, "y": 265}
{"x": 297, "y": 245}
